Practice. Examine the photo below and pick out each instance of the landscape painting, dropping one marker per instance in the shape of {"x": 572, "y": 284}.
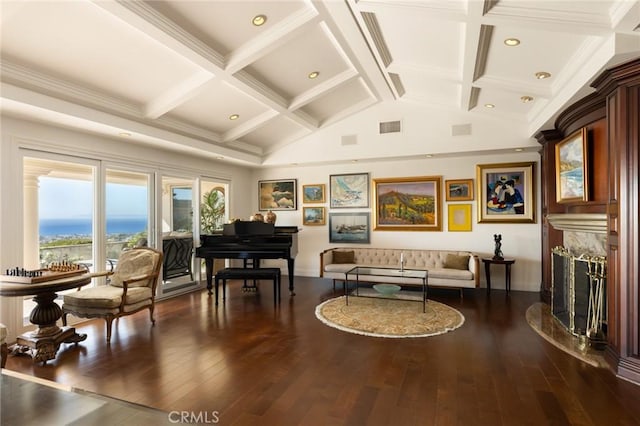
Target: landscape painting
{"x": 349, "y": 190}
{"x": 408, "y": 204}
{"x": 277, "y": 194}
{"x": 313, "y": 216}
{"x": 313, "y": 193}
{"x": 349, "y": 228}
{"x": 571, "y": 168}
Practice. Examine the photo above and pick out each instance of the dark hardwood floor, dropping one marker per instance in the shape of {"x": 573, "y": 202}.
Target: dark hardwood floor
{"x": 253, "y": 364}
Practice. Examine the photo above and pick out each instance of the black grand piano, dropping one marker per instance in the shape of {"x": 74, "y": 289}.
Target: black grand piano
{"x": 250, "y": 240}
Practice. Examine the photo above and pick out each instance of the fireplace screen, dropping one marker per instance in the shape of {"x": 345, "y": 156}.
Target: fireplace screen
{"x": 578, "y": 293}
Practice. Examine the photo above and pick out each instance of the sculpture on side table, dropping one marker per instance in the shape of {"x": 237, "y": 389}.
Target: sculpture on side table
{"x": 497, "y": 252}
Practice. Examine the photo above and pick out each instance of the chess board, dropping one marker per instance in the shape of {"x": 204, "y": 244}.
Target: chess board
{"x": 47, "y": 275}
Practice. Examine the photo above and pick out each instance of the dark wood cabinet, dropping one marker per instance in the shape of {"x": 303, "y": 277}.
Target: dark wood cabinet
{"x": 611, "y": 116}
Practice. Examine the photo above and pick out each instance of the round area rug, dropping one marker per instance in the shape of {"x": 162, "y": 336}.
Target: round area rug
{"x": 388, "y": 318}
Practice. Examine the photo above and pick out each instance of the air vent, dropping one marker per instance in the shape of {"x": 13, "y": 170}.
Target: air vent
{"x": 349, "y": 140}
{"x": 371, "y": 22}
{"x": 390, "y": 127}
{"x": 395, "y": 79}
{"x": 461, "y": 129}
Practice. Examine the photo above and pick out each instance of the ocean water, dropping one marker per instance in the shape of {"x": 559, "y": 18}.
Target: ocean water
{"x": 72, "y": 227}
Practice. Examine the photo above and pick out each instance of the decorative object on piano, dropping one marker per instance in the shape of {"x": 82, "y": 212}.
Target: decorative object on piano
{"x": 313, "y": 193}
{"x": 349, "y": 228}
{"x": 257, "y": 218}
{"x": 408, "y": 204}
{"x": 497, "y": 251}
{"x": 349, "y": 190}
{"x": 270, "y": 217}
{"x": 54, "y": 271}
{"x": 506, "y": 192}
{"x": 278, "y": 194}
{"x": 212, "y": 210}
{"x": 571, "y": 168}
{"x": 313, "y": 216}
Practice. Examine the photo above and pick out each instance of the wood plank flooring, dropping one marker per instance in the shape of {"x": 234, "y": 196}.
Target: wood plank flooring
{"x": 256, "y": 364}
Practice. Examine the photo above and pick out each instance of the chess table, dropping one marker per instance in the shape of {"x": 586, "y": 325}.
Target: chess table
{"x": 44, "y": 341}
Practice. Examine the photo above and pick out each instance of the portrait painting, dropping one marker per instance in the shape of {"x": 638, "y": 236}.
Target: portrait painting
{"x": 507, "y": 192}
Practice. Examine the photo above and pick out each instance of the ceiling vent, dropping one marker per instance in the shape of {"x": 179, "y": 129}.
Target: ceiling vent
{"x": 461, "y": 130}
{"x": 390, "y": 127}
{"x": 371, "y": 22}
{"x": 397, "y": 83}
{"x": 349, "y": 140}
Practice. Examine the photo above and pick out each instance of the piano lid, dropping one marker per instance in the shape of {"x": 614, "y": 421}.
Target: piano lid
{"x": 242, "y": 227}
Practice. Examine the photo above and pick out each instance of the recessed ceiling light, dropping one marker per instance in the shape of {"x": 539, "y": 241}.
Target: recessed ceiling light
{"x": 124, "y": 134}
{"x": 313, "y": 74}
{"x": 429, "y": 155}
{"x": 525, "y": 99}
{"x": 259, "y": 20}
{"x": 220, "y": 157}
{"x": 234, "y": 117}
{"x": 511, "y": 41}
{"x": 519, "y": 149}
{"x": 541, "y": 75}
{"x": 489, "y": 106}
{"x": 354, "y": 161}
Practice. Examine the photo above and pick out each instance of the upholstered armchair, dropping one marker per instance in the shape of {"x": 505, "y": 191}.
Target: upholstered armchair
{"x": 131, "y": 288}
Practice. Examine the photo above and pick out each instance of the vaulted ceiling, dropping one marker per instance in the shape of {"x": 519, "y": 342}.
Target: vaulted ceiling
{"x": 201, "y": 77}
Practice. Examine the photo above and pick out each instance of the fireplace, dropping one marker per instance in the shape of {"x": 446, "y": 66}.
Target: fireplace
{"x": 579, "y": 275}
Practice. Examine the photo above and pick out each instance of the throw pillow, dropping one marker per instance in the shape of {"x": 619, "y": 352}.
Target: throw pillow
{"x": 344, "y": 257}
{"x": 454, "y": 261}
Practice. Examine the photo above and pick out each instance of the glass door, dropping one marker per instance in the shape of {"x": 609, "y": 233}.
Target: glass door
{"x": 177, "y": 237}
{"x": 127, "y": 211}
{"x": 59, "y": 214}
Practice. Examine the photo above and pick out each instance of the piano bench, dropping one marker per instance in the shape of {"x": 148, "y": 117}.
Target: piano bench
{"x": 248, "y": 274}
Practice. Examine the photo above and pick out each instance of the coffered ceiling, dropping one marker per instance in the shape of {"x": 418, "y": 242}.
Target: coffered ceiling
{"x": 199, "y": 76}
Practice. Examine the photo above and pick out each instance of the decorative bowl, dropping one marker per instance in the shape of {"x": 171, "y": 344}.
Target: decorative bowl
{"x": 387, "y": 289}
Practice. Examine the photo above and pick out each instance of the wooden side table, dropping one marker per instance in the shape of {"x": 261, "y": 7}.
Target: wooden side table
{"x": 488, "y": 261}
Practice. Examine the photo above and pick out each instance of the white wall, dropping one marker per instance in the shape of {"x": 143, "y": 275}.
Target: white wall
{"x": 521, "y": 241}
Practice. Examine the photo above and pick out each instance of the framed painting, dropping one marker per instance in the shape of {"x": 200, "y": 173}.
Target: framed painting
{"x": 349, "y": 190}
{"x": 408, "y": 204}
{"x": 277, "y": 194}
{"x": 313, "y": 193}
{"x": 458, "y": 190}
{"x": 313, "y": 216}
{"x": 572, "y": 183}
{"x": 506, "y": 193}
{"x": 459, "y": 216}
{"x": 349, "y": 228}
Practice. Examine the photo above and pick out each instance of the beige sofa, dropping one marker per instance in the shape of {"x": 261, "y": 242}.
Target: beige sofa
{"x": 447, "y": 268}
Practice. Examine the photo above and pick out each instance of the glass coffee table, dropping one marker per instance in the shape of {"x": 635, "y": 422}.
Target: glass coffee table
{"x": 396, "y": 273}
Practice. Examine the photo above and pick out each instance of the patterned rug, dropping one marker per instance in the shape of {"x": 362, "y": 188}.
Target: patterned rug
{"x": 389, "y": 318}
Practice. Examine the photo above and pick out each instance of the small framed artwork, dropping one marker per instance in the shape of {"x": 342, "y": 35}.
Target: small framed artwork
{"x": 277, "y": 194}
{"x": 349, "y": 190}
{"x": 408, "y": 204}
{"x": 349, "y": 228}
{"x": 459, "y": 190}
{"x": 506, "y": 193}
{"x": 459, "y": 216}
{"x": 313, "y": 193}
{"x": 572, "y": 183}
{"x": 313, "y": 216}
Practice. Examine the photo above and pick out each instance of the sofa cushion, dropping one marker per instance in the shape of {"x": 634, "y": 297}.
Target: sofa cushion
{"x": 456, "y": 262}
{"x": 341, "y": 257}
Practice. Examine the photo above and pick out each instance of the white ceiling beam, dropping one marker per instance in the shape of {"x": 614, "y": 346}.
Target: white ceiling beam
{"x": 322, "y": 89}
{"x": 177, "y": 94}
{"x": 248, "y": 126}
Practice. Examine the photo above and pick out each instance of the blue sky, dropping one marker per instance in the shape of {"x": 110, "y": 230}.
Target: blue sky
{"x": 69, "y": 199}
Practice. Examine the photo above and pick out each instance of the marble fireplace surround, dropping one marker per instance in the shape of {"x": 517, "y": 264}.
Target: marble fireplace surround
{"x": 583, "y": 233}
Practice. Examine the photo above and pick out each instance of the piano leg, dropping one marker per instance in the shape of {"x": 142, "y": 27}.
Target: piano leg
{"x": 208, "y": 263}
{"x": 290, "y": 266}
